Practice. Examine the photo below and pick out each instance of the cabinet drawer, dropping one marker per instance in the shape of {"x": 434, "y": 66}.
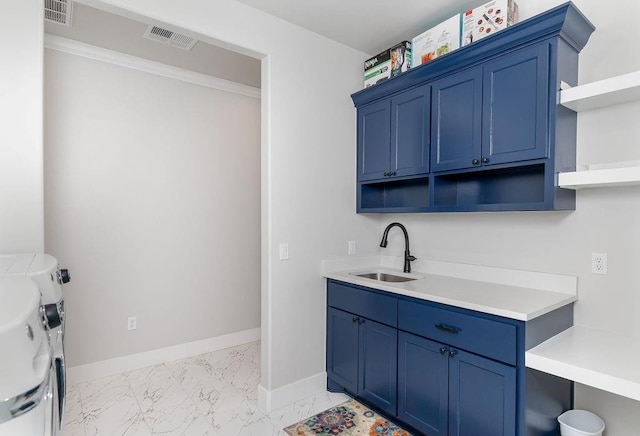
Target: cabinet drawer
{"x": 369, "y": 304}
{"x": 482, "y": 336}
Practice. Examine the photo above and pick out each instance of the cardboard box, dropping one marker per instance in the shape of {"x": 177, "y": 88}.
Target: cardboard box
{"x": 387, "y": 64}
{"x": 401, "y": 56}
{"x": 377, "y": 69}
{"x": 488, "y": 19}
{"x": 437, "y": 41}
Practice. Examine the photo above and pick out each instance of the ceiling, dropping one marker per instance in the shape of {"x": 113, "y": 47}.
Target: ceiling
{"x": 370, "y": 26}
{"x": 103, "y": 29}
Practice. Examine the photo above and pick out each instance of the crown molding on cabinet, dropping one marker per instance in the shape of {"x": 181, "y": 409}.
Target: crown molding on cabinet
{"x": 89, "y": 51}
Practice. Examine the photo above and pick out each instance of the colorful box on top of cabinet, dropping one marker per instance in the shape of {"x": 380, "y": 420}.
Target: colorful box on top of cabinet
{"x": 487, "y": 19}
{"x": 401, "y": 56}
{"x": 387, "y": 64}
{"x": 377, "y": 69}
{"x": 437, "y": 41}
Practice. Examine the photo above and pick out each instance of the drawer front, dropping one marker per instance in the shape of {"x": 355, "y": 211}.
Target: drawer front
{"x": 369, "y": 304}
{"x": 482, "y": 336}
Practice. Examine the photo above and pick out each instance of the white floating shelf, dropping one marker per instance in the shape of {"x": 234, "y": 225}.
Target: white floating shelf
{"x": 616, "y": 90}
{"x": 591, "y": 357}
{"x": 601, "y": 178}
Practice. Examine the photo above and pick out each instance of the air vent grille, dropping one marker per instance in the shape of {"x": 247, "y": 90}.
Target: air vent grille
{"x": 161, "y": 33}
{"x": 58, "y": 11}
{"x": 170, "y": 38}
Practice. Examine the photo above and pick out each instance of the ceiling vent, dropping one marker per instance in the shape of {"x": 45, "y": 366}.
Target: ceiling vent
{"x": 58, "y": 11}
{"x": 170, "y": 38}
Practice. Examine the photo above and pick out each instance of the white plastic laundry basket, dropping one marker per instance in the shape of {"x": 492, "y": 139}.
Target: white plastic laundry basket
{"x": 580, "y": 423}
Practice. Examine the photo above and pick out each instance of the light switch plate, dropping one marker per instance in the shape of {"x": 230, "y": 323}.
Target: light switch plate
{"x": 284, "y": 251}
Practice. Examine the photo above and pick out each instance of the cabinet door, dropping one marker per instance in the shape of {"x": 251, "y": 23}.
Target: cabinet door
{"x": 456, "y": 120}
{"x": 482, "y": 396}
{"x": 374, "y": 140}
{"x": 410, "y": 132}
{"x": 423, "y": 368}
{"x": 342, "y": 348}
{"x": 378, "y": 365}
{"x": 516, "y": 106}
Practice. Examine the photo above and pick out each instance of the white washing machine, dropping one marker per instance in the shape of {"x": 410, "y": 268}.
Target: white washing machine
{"x": 43, "y": 270}
{"x": 26, "y": 398}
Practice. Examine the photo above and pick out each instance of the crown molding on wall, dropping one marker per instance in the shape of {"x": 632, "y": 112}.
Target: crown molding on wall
{"x": 58, "y": 43}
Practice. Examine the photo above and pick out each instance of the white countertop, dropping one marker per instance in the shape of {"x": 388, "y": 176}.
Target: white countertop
{"x": 592, "y": 357}
{"x": 521, "y": 295}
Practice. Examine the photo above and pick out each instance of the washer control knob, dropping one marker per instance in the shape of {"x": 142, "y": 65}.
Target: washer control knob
{"x": 64, "y": 276}
{"x": 54, "y": 319}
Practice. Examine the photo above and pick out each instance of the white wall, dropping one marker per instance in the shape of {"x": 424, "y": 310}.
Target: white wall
{"x": 308, "y": 167}
{"x": 152, "y": 200}
{"x": 605, "y": 220}
{"x": 21, "y": 213}
{"x": 307, "y": 117}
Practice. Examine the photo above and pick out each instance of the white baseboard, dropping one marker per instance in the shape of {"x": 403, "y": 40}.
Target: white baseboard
{"x": 288, "y": 394}
{"x": 91, "y": 371}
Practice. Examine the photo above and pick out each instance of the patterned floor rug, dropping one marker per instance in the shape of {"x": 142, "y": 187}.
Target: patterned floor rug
{"x": 346, "y": 419}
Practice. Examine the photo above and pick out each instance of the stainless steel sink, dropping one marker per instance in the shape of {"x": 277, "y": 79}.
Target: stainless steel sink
{"x": 384, "y": 277}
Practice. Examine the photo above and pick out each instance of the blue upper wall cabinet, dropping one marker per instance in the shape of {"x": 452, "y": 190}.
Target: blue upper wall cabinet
{"x": 410, "y": 132}
{"x": 374, "y": 140}
{"x": 492, "y": 114}
{"x": 479, "y": 129}
{"x": 516, "y": 106}
{"x": 393, "y": 136}
{"x": 457, "y": 120}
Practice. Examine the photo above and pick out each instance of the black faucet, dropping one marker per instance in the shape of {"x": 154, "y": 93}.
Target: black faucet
{"x": 407, "y": 256}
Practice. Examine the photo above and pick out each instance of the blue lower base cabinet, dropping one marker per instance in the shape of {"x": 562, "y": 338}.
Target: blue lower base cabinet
{"x": 440, "y": 370}
{"x": 377, "y": 371}
{"x": 342, "y": 349}
{"x": 423, "y": 374}
{"x": 361, "y": 358}
{"x": 482, "y": 396}
{"x": 444, "y": 391}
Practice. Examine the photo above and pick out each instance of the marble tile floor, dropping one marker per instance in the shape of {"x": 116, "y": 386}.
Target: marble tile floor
{"x": 211, "y": 394}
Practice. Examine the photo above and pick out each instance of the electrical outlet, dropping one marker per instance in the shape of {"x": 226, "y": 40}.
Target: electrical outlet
{"x": 132, "y": 323}
{"x": 352, "y": 247}
{"x": 599, "y": 263}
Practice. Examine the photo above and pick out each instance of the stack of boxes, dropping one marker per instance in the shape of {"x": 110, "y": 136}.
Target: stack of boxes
{"x": 437, "y": 41}
{"x": 458, "y": 31}
{"x": 487, "y": 19}
{"x": 387, "y": 64}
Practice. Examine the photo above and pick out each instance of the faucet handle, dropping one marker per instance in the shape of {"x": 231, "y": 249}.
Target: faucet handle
{"x": 408, "y": 258}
